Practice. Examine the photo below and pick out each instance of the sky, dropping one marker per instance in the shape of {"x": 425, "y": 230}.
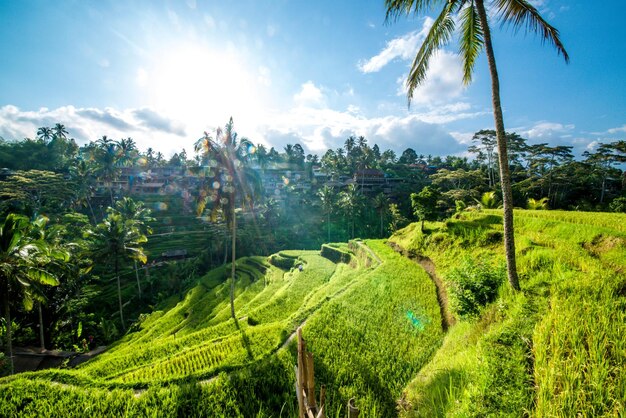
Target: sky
{"x": 296, "y": 71}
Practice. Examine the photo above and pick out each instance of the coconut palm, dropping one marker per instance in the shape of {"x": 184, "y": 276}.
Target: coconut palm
{"x": 24, "y": 262}
{"x": 126, "y": 152}
{"x": 115, "y": 240}
{"x": 59, "y": 131}
{"x": 139, "y": 215}
{"x": 381, "y": 203}
{"x": 227, "y": 158}
{"x": 475, "y": 34}
{"x": 352, "y": 202}
{"x": 328, "y": 197}
{"x": 83, "y": 175}
{"x": 45, "y": 134}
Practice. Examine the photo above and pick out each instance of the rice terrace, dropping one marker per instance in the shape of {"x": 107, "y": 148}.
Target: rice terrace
{"x": 351, "y": 256}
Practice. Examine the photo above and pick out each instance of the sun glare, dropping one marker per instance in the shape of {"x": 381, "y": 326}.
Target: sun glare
{"x": 202, "y": 86}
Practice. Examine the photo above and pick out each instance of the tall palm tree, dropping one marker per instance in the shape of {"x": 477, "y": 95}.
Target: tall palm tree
{"x": 45, "y": 134}
{"x": 475, "y": 34}
{"x": 83, "y": 175}
{"x": 126, "y": 151}
{"x": 352, "y": 201}
{"x": 328, "y": 198}
{"x": 60, "y": 132}
{"x": 139, "y": 215}
{"x": 227, "y": 157}
{"x": 24, "y": 262}
{"x": 381, "y": 203}
{"x": 115, "y": 240}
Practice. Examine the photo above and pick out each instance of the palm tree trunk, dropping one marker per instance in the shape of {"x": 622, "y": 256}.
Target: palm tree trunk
{"x": 42, "y": 341}
{"x": 505, "y": 177}
{"x": 381, "y": 223}
{"x": 137, "y": 276}
{"x": 328, "y": 219}
{"x": 7, "y": 319}
{"x": 233, "y": 255}
{"x": 119, "y": 293}
{"x": 93, "y": 215}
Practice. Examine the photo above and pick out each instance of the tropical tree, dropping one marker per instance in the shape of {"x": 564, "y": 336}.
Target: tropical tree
{"x": 227, "y": 155}
{"x": 126, "y": 152}
{"x": 488, "y": 200}
{"x": 59, "y": 131}
{"x": 140, "y": 217}
{"x": 424, "y": 204}
{"x": 328, "y": 197}
{"x": 115, "y": 240}
{"x": 24, "y": 263}
{"x": 538, "y": 204}
{"x": 352, "y": 201}
{"x": 475, "y": 34}
{"x": 381, "y": 203}
{"x": 83, "y": 175}
{"x": 44, "y": 134}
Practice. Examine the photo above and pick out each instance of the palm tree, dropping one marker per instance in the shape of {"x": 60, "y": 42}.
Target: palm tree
{"x": 60, "y": 132}
{"x": 115, "y": 240}
{"x": 538, "y": 204}
{"x": 329, "y": 199}
{"x": 351, "y": 200}
{"x": 108, "y": 163}
{"x": 82, "y": 173}
{"x": 139, "y": 215}
{"x": 476, "y": 35}
{"x": 127, "y": 152}
{"x": 24, "y": 263}
{"x": 381, "y": 203}
{"x": 45, "y": 134}
{"x": 227, "y": 156}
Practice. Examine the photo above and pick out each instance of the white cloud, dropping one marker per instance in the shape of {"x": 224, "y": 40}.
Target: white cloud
{"x": 310, "y": 95}
{"x": 443, "y": 82}
{"x": 146, "y": 126}
{"x": 549, "y": 131}
{"x": 318, "y": 129}
{"x": 271, "y": 30}
{"x": 405, "y": 47}
{"x": 617, "y": 130}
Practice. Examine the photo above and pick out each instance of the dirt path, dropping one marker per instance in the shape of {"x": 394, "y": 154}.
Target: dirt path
{"x": 447, "y": 320}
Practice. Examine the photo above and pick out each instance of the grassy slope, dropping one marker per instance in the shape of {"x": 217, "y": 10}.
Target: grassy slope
{"x": 244, "y": 371}
{"x": 555, "y": 349}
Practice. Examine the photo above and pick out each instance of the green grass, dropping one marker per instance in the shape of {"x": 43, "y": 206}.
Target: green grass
{"x": 556, "y": 349}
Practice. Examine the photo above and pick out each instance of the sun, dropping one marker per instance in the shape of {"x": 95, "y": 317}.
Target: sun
{"x": 203, "y": 86}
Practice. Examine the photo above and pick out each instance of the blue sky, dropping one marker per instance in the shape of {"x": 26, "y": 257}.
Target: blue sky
{"x": 312, "y": 72}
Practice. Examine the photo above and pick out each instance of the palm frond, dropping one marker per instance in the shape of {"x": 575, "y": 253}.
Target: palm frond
{"x": 438, "y": 36}
{"x": 520, "y": 13}
{"x": 398, "y": 8}
{"x": 471, "y": 41}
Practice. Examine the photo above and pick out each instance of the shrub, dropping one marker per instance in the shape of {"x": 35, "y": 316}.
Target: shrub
{"x": 473, "y": 285}
{"x": 618, "y": 205}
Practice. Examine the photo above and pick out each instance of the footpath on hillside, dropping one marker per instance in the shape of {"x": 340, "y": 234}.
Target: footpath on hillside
{"x": 447, "y": 320}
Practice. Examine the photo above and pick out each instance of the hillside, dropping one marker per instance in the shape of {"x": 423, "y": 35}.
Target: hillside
{"x": 372, "y": 319}
{"x": 557, "y": 348}
{"x": 245, "y": 367}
